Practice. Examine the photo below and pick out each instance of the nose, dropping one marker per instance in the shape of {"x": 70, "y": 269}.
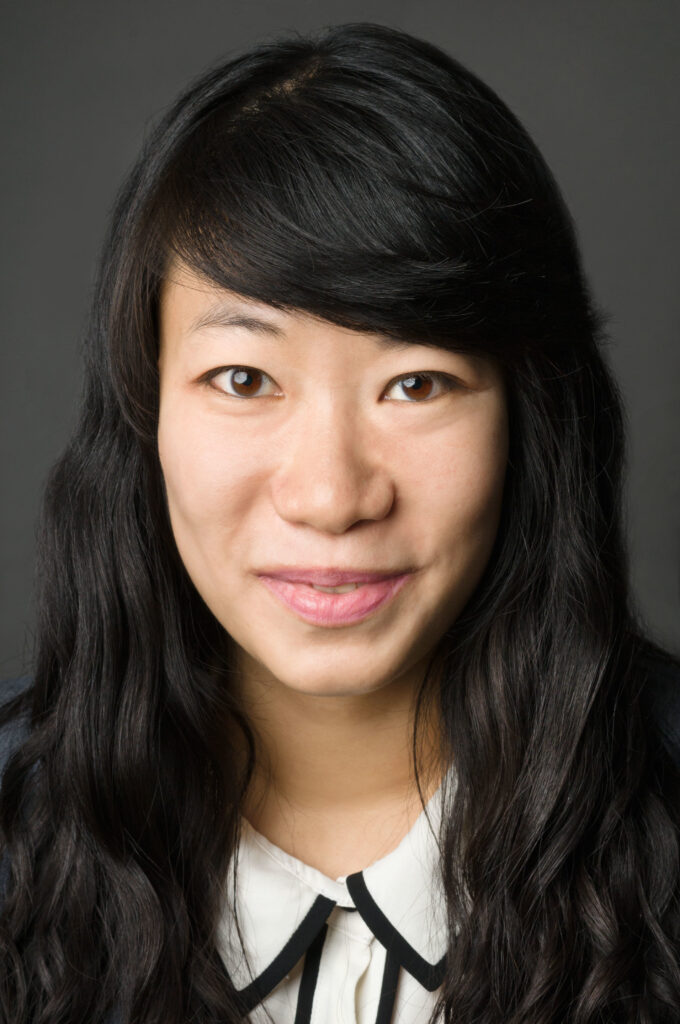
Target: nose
{"x": 330, "y": 476}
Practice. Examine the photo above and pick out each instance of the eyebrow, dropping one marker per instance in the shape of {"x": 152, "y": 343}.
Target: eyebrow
{"x": 229, "y": 316}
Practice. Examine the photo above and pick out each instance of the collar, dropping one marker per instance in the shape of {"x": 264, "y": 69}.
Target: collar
{"x": 283, "y": 904}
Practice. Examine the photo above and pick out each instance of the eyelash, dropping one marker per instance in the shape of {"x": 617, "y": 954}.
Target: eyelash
{"x": 447, "y": 382}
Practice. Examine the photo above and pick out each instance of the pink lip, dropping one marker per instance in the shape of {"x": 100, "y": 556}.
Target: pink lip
{"x": 328, "y": 577}
{"x": 321, "y": 609}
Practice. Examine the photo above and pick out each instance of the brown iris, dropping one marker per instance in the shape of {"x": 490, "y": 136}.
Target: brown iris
{"x": 417, "y": 386}
{"x": 246, "y": 382}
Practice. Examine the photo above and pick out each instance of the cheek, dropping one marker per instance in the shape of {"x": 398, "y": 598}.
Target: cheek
{"x": 209, "y": 481}
{"x": 460, "y": 484}
{"x": 464, "y": 513}
{"x": 464, "y": 510}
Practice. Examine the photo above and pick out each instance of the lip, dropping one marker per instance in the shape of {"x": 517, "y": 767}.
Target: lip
{"x": 330, "y": 610}
{"x": 329, "y": 577}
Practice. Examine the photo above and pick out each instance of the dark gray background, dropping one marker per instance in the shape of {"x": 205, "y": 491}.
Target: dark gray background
{"x": 595, "y": 82}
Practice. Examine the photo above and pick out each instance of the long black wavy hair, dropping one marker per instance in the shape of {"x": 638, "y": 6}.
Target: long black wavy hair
{"x": 368, "y": 178}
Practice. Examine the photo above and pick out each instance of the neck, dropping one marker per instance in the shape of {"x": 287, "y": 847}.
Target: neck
{"x": 341, "y": 765}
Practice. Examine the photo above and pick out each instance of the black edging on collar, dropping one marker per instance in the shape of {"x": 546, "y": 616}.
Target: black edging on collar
{"x": 296, "y": 947}
{"x": 388, "y": 989}
{"x": 429, "y": 975}
{"x": 310, "y": 974}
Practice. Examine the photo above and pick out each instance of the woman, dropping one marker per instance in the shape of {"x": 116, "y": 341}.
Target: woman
{"x": 340, "y": 710}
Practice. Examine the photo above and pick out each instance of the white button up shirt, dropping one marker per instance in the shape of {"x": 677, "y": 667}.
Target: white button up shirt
{"x": 368, "y": 948}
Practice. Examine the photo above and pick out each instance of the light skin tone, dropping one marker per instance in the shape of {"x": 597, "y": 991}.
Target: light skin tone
{"x": 337, "y": 448}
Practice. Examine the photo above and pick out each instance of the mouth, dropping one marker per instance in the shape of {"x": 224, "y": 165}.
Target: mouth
{"x": 324, "y": 598}
{"x": 330, "y": 576}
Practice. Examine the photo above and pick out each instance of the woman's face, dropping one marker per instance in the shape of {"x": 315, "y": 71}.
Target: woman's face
{"x": 332, "y": 450}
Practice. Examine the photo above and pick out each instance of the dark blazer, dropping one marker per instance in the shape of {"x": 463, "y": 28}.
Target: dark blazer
{"x": 661, "y": 704}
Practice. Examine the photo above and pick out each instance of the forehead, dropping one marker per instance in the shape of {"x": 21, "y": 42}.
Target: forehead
{"x": 193, "y": 310}
{"x": 187, "y": 290}
{"x": 191, "y": 305}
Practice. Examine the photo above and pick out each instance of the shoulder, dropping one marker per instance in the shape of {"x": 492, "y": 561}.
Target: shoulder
{"x": 661, "y": 700}
{"x": 14, "y": 730}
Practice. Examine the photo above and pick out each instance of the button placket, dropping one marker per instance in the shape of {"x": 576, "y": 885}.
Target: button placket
{"x": 348, "y": 948}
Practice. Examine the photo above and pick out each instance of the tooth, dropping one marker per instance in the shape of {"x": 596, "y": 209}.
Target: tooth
{"x": 344, "y": 589}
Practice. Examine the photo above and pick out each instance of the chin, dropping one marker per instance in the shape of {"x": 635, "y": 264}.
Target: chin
{"x": 336, "y": 689}
{"x": 330, "y": 685}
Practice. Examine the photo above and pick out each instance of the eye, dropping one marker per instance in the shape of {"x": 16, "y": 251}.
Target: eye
{"x": 238, "y": 381}
{"x": 422, "y": 387}
{"x": 249, "y": 382}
